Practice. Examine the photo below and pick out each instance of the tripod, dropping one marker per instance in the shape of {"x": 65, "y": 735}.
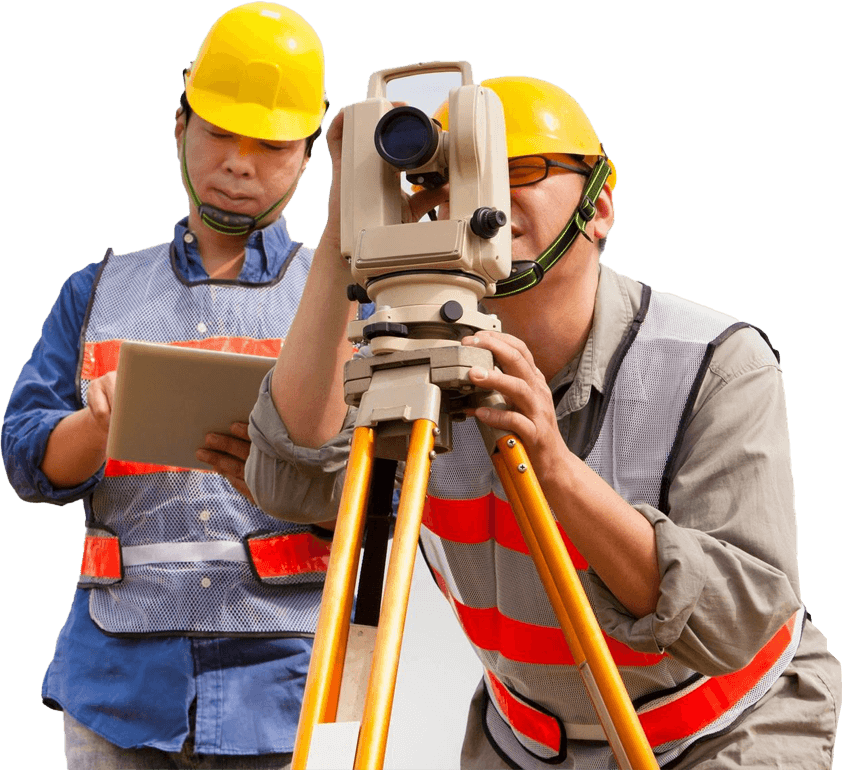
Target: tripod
{"x": 407, "y": 401}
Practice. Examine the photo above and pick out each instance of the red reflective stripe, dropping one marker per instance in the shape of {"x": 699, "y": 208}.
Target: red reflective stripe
{"x": 528, "y": 721}
{"x": 489, "y": 629}
{"x": 482, "y": 519}
{"x": 101, "y": 558}
{"x": 285, "y": 555}
{"x": 116, "y": 468}
{"x": 700, "y": 707}
{"x": 101, "y": 357}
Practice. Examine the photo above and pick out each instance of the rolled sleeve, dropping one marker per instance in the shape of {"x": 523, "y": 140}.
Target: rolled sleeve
{"x": 45, "y": 393}
{"x": 726, "y": 545}
{"x": 713, "y": 612}
{"x": 291, "y": 482}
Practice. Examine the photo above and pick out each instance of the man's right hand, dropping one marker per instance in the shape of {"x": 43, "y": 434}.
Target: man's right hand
{"x": 76, "y": 447}
{"x": 100, "y": 401}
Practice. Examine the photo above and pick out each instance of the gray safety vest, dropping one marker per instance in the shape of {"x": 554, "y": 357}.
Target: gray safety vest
{"x": 535, "y": 697}
{"x": 177, "y": 551}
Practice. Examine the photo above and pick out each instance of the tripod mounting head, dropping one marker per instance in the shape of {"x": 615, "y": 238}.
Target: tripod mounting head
{"x": 426, "y": 279}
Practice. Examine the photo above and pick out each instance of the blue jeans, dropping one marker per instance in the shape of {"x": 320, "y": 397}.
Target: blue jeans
{"x": 85, "y": 750}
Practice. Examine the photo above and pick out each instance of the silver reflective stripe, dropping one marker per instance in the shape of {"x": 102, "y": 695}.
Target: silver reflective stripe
{"x": 157, "y": 553}
{"x": 584, "y": 732}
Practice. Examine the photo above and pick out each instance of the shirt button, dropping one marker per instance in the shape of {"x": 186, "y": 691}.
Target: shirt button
{"x": 206, "y": 582}
{"x": 189, "y": 237}
{"x": 201, "y": 328}
{"x": 205, "y": 515}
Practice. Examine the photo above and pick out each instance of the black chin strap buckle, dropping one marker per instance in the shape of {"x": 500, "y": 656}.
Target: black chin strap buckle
{"x": 524, "y": 266}
{"x": 585, "y": 212}
{"x": 226, "y": 222}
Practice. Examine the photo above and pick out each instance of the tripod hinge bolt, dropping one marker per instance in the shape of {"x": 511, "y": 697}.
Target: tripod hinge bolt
{"x": 511, "y": 443}
{"x": 522, "y": 468}
{"x": 437, "y": 431}
{"x": 432, "y": 456}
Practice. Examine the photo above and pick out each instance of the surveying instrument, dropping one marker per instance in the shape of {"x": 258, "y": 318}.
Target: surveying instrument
{"x": 426, "y": 280}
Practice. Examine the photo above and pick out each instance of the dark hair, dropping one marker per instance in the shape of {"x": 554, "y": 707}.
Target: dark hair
{"x": 188, "y": 111}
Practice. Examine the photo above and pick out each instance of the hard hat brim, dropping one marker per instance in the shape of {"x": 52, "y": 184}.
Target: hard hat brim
{"x": 254, "y": 120}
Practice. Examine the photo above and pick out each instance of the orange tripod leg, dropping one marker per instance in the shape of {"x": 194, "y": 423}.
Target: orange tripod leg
{"x": 371, "y": 748}
{"x": 564, "y": 590}
{"x": 321, "y": 692}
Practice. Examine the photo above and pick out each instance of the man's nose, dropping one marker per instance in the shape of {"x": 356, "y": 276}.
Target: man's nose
{"x": 240, "y": 161}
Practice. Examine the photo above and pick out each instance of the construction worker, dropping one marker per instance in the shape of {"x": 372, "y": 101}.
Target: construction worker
{"x": 185, "y": 653}
{"x": 657, "y": 430}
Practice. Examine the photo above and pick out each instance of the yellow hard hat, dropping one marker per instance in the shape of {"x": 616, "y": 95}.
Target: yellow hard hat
{"x": 541, "y": 119}
{"x": 260, "y": 73}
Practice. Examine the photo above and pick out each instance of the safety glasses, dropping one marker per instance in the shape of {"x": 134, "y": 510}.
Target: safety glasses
{"x": 531, "y": 169}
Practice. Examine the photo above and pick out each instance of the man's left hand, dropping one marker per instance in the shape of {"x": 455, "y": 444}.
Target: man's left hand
{"x": 530, "y": 413}
{"x": 227, "y": 454}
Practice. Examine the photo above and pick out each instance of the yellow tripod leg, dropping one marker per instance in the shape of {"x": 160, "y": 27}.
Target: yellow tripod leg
{"x": 371, "y": 748}
{"x": 565, "y": 592}
{"x": 321, "y": 693}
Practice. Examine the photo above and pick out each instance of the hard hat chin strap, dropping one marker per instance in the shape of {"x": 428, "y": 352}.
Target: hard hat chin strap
{"x": 229, "y": 222}
{"x": 526, "y": 274}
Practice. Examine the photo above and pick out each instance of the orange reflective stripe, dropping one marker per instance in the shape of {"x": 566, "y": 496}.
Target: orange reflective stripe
{"x": 285, "y": 555}
{"x": 101, "y": 357}
{"x": 482, "y": 519}
{"x": 273, "y": 555}
{"x": 706, "y": 703}
{"x": 527, "y": 720}
{"x": 491, "y": 630}
{"x": 101, "y": 558}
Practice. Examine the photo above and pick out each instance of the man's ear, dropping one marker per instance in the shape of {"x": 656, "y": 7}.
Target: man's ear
{"x": 180, "y": 127}
{"x": 604, "y": 218}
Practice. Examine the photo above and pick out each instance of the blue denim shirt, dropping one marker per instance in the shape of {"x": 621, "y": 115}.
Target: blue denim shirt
{"x": 138, "y": 692}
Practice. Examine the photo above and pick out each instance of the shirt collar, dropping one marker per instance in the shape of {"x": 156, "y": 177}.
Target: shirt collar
{"x": 617, "y": 302}
{"x": 266, "y": 251}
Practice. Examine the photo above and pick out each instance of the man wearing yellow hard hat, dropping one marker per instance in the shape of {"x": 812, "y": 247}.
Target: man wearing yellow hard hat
{"x": 189, "y": 635}
{"x": 657, "y": 430}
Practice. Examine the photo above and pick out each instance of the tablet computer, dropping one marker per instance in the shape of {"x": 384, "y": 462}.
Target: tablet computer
{"x": 168, "y": 397}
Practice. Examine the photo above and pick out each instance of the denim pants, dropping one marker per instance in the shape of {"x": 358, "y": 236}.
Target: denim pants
{"x": 85, "y": 750}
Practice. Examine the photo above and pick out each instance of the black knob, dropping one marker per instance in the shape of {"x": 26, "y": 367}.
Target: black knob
{"x": 385, "y": 329}
{"x": 451, "y": 311}
{"x": 487, "y": 221}
{"x": 357, "y": 293}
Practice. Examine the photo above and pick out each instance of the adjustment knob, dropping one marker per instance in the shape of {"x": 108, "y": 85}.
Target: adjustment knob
{"x": 357, "y": 293}
{"x": 385, "y": 329}
{"x": 451, "y": 311}
{"x": 487, "y": 221}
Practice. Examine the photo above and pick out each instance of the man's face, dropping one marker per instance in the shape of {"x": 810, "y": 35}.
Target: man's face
{"x": 540, "y": 211}
{"x": 237, "y": 173}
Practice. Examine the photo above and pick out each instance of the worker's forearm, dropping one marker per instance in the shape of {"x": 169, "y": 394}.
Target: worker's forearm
{"x": 75, "y": 450}
{"x": 307, "y": 385}
{"x": 615, "y": 538}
